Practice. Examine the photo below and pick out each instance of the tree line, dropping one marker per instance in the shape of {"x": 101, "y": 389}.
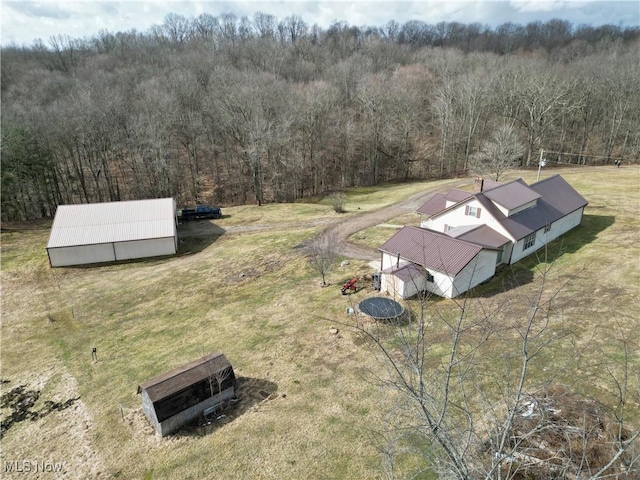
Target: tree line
{"x": 234, "y": 110}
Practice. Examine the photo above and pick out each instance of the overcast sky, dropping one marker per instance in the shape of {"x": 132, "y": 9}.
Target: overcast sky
{"x": 24, "y": 21}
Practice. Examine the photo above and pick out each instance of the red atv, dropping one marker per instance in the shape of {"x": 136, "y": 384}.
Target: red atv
{"x": 350, "y": 285}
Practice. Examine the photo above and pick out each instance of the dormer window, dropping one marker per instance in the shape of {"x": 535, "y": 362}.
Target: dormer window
{"x": 472, "y": 211}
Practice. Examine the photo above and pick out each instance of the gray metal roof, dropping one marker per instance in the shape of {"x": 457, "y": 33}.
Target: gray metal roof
{"x": 433, "y": 250}
{"x": 557, "y": 192}
{"x": 512, "y": 195}
{"x": 167, "y": 384}
{"x": 95, "y": 223}
{"x": 482, "y": 235}
{"x": 558, "y": 200}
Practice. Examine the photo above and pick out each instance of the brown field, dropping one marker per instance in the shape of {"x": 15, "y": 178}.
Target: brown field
{"x": 251, "y": 293}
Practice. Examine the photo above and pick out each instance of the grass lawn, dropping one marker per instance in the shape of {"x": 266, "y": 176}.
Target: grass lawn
{"x": 253, "y": 295}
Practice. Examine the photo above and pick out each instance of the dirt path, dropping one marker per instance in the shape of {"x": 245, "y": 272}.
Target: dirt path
{"x": 342, "y": 229}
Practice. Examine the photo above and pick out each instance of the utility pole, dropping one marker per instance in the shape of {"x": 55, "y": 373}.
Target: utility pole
{"x": 541, "y": 163}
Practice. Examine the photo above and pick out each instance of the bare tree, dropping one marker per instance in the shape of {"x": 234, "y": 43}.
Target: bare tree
{"x": 337, "y": 201}
{"x": 321, "y": 252}
{"x": 480, "y": 421}
{"x": 498, "y": 154}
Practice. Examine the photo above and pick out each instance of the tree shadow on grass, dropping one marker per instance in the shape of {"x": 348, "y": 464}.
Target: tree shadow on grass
{"x": 522, "y": 272}
{"x": 250, "y": 393}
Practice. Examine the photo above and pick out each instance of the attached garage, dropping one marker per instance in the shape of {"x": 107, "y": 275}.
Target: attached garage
{"x": 108, "y": 232}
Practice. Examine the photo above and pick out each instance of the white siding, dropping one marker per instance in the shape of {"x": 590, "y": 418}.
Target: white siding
{"x": 480, "y": 269}
{"x": 145, "y": 248}
{"x": 442, "y": 284}
{"x": 563, "y": 225}
{"x": 81, "y": 255}
{"x": 457, "y": 218}
{"x": 518, "y": 209}
{"x": 557, "y": 229}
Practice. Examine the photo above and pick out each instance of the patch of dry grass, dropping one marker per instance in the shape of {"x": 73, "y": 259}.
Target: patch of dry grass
{"x": 253, "y": 296}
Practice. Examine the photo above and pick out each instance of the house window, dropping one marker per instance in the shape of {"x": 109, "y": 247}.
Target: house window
{"x": 547, "y": 227}
{"x": 472, "y": 211}
{"x": 429, "y": 277}
{"x": 529, "y": 240}
{"x": 499, "y": 259}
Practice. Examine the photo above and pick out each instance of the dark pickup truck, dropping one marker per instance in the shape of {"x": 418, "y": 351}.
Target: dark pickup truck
{"x": 198, "y": 213}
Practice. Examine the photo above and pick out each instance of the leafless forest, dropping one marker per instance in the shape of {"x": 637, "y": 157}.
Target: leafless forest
{"x": 232, "y": 110}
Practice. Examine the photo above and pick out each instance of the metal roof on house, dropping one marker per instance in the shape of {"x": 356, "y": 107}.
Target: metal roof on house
{"x": 438, "y": 202}
{"x": 434, "y": 205}
{"x": 457, "y": 195}
{"x": 487, "y": 184}
{"x": 95, "y": 223}
{"x": 512, "y": 195}
{"x": 172, "y": 382}
{"x": 406, "y": 272}
{"x": 433, "y": 250}
{"x": 557, "y": 192}
{"x": 482, "y": 235}
{"x": 555, "y": 199}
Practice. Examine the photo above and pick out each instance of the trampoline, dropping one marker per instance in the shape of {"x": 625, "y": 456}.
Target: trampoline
{"x": 381, "y": 308}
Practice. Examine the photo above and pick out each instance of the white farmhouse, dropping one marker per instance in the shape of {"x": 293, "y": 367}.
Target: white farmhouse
{"x": 466, "y": 235}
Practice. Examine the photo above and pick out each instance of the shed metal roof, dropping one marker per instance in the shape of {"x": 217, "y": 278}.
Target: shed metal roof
{"x": 172, "y": 382}
{"x": 431, "y": 249}
{"x": 95, "y": 223}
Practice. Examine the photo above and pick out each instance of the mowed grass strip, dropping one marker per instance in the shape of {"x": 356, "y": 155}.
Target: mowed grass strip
{"x": 254, "y": 296}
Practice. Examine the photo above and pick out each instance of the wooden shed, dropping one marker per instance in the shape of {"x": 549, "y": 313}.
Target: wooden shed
{"x": 112, "y": 231}
{"x": 173, "y": 399}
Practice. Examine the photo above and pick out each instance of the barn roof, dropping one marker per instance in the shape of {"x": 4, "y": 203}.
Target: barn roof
{"x": 431, "y": 249}
{"x": 95, "y": 223}
{"x": 172, "y": 382}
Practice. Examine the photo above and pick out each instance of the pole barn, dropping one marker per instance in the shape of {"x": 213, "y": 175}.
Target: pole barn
{"x": 108, "y": 232}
